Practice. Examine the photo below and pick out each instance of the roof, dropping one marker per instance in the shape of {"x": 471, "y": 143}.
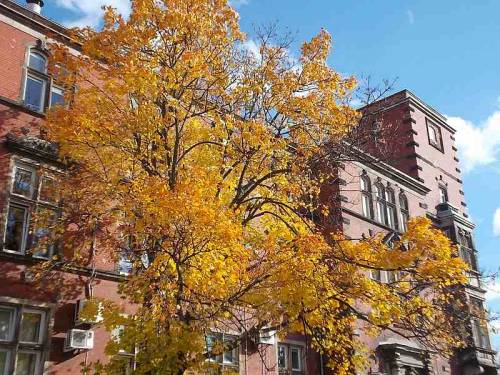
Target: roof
{"x": 14, "y": 10}
{"x": 409, "y": 96}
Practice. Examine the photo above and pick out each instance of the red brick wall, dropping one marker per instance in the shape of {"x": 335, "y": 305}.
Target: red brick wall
{"x": 13, "y": 46}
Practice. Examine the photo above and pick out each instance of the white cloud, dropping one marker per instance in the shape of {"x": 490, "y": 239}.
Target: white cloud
{"x": 496, "y": 222}
{"x": 478, "y": 144}
{"x": 237, "y": 3}
{"x": 89, "y": 12}
{"x": 411, "y": 17}
{"x": 492, "y": 290}
{"x": 251, "y": 46}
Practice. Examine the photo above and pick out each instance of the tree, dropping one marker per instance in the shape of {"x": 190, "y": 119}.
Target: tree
{"x": 202, "y": 162}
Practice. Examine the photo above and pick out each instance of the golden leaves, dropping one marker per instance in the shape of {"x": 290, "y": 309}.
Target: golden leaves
{"x": 203, "y": 168}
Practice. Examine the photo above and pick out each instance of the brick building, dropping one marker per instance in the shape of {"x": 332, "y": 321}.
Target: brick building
{"x": 40, "y": 330}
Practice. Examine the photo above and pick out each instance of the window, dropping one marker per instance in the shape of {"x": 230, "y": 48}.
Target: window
{"x": 24, "y": 181}
{"x": 366, "y": 197}
{"x": 376, "y": 275}
{"x": 404, "y": 212}
{"x": 39, "y": 91}
{"x": 479, "y": 324}
{"x": 390, "y": 204}
{"x": 443, "y": 194}
{"x": 393, "y": 277}
{"x": 467, "y": 252}
{"x": 23, "y": 336}
{"x": 380, "y": 203}
{"x": 434, "y": 133}
{"x": 36, "y": 81}
{"x": 222, "y": 349}
{"x": 32, "y": 212}
{"x": 290, "y": 358}
{"x": 56, "y": 96}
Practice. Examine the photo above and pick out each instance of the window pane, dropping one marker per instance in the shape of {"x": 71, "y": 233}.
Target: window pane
{"x": 432, "y": 134}
{"x": 391, "y": 216}
{"x": 33, "y": 97}
{"x": 56, "y": 97}
{"x": 404, "y": 221}
{"x": 14, "y": 232}
{"x": 3, "y": 362}
{"x": 376, "y": 275}
{"x": 366, "y": 206}
{"x": 42, "y": 244}
{"x": 48, "y": 192}
{"x": 281, "y": 356}
{"x": 295, "y": 356}
{"x": 30, "y": 327}
{"x": 26, "y": 363}
{"x": 125, "y": 266}
{"x": 403, "y": 202}
{"x": 23, "y": 182}
{"x": 6, "y": 321}
{"x": 231, "y": 355}
{"x": 37, "y": 62}
{"x": 380, "y": 212}
{"x": 390, "y": 196}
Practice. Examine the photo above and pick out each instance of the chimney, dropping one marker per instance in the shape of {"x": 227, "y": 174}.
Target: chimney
{"x": 35, "y": 5}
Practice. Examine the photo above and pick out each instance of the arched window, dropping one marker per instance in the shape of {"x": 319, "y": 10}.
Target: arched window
{"x": 39, "y": 90}
{"x": 390, "y": 204}
{"x": 380, "y": 203}
{"x": 37, "y": 62}
{"x": 366, "y": 197}
{"x": 36, "y": 81}
{"x": 404, "y": 211}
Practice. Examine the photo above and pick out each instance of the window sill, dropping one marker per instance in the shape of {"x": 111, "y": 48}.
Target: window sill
{"x": 29, "y": 260}
{"x": 20, "y": 106}
{"x": 371, "y": 221}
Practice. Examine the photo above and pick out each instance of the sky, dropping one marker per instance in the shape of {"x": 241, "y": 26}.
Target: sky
{"x": 447, "y": 52}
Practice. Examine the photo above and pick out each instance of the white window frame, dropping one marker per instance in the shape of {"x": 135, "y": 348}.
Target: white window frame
{"x": 300, "y": 350}
{"x": 26, "y": 221}
{"x": 219, "y": 358}
{"x": 434, "y": 135}
{"x": 33, "y": 180}
{"x": 289, "y": 345}
{"x": 380, "y": 203}
{"x": 286, "y": 355}
{"x": 10, "y": 336}
{"x": 7, "y": 360}
{"x": 43, "y": 319}
{"x": 42, "y": 76}
{"x": 14, "y": 346}
{"x": 366, "y": 197}
{"x": 45, "y": 83}
{"x": 38, "y": 356}
{"x": 52, "y": 88}
{"x": 30, "y": 204}
{"x": 46, "y": 176}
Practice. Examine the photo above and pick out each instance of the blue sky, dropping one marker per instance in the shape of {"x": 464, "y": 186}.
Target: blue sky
{"x": 447, "y": 52}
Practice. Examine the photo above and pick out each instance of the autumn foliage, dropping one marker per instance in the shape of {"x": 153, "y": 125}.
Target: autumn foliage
{"x": 191, "y": 154}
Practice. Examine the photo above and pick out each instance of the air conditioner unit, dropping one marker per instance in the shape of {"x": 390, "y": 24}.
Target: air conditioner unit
{"x": 79, "y": 320}
{"x": 79, "y": 339}
{"x": 267, "y": 337}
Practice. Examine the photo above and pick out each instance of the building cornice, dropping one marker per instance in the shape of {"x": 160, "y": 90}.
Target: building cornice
{"x": 36, "y": 22}
{"x": 375, "y": 164}
{"x": 411, "y": 98}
